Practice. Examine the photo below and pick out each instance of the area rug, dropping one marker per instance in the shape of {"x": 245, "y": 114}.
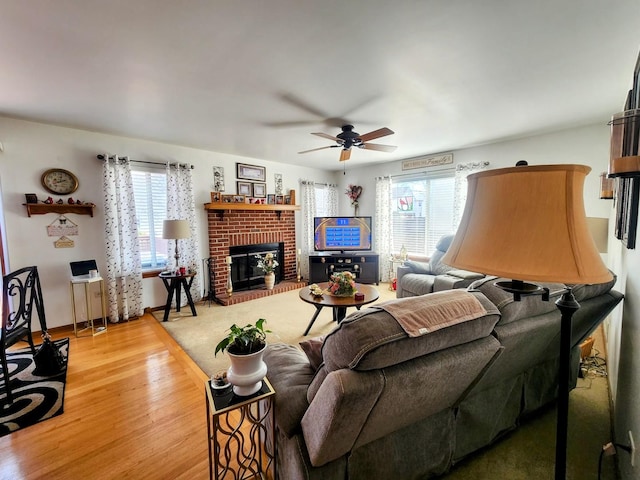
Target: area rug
{"x": 286, "y": 316}
{"x": 35, "y": 398}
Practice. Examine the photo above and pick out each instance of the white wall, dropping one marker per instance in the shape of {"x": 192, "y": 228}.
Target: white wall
{"x": 31, "y": 148}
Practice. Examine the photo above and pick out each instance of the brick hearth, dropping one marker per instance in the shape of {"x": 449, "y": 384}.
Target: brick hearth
{"x": 246, "y": 295}
{"x": 229, "y": 228}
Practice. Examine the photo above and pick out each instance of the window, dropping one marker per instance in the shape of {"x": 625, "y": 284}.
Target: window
{"x": 422, "y": 211}
{"x": 150, "y": 192}
{"x": 323, "y": 201}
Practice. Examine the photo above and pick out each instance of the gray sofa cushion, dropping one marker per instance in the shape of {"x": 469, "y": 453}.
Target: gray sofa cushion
{"x": 290, "y": 373}
{"x": 418, "y": 267}
{"x": 372, "y": 339}
{"x": 530, "y": 306}
{"x": 584, "y": 292}
{"x": 418, "y": 283}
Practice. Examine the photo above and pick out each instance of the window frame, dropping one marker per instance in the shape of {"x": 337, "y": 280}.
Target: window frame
{"x": 423, "y": 211}
{"x": 155, "y": 216}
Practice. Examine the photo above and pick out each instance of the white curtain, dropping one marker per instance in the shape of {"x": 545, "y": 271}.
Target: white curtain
{"x": 181, "y": 206}
{"x": 332, "y": 200}
{"x": 311, "y": 194}
{"x": 124, "y": 266}
{"x": 308, "y": 211}
{"x": 382, "y": 226}
{"x": 462, "y": 171}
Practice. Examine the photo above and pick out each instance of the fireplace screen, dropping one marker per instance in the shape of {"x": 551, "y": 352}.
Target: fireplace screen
{"x": 245, "y": 273}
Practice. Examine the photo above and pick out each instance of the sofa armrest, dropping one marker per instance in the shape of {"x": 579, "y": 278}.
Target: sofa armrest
{"x": 455, "y": 279}
{"x": 401, "y": 272}
{"x": 290, "y": 374}
{"x": 465, "y": 274}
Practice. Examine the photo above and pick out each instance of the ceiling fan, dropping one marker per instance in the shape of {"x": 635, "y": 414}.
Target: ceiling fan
{"x": 348, "y": 138}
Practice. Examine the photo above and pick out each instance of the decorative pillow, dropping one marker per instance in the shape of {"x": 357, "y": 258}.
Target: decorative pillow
{"x": 313, "y": 350}
{"x": 418, "y": 267}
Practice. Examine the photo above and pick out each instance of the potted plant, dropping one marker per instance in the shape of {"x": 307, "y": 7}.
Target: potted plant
{"x": 268, "y": 264}
{"x": 245, "y": 347}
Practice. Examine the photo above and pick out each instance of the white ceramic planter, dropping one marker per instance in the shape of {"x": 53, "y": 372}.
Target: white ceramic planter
{"x": 246, "y": 372}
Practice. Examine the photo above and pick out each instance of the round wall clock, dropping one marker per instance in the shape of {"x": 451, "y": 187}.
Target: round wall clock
{"x": 57, "y": 180}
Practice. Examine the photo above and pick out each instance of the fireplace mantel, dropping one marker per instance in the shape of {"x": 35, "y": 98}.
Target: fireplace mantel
{"x": 221, "y": 207}
{"x": 248, "y": 206}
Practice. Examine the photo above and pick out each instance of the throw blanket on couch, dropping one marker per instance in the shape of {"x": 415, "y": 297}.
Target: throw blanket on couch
{"x": 427, "y": 313}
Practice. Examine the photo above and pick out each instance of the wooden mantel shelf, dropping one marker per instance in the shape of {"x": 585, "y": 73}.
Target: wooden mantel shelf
{"x": 221, "y": 207}
{"x": 43, "y": 208}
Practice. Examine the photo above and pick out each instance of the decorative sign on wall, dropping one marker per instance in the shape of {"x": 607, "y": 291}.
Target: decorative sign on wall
{"x": 63, "y": 242}
{"x": 218, "y": 179}
{"x": 62, "y": 226}
{"x": 432, "y": 161}
{"x": 278, "y": 181}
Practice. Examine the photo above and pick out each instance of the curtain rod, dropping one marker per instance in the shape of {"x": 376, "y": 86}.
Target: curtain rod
{"x": 102, "y": 157}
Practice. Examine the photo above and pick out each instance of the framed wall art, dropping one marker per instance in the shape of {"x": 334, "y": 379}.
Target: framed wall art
{"x": 244, "y": 188}
{"x": 277, "y": 177}
{"x": 218, "y": 179}
{"x": 250, "y": 172}
{"x": 260, "y": 190}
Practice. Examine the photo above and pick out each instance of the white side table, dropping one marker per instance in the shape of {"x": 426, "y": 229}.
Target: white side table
{"x": 92, "y": 325}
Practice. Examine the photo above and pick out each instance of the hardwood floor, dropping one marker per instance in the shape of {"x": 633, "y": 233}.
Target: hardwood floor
{"x": 134, "y": 408}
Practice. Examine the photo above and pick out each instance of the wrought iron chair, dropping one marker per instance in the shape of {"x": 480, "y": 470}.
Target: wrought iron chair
{"x": 21, "y": 295}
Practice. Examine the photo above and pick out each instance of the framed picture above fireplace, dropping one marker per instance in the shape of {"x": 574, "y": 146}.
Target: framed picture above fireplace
{"x": 250, "y": 172}
{"x": 244, "y": 188}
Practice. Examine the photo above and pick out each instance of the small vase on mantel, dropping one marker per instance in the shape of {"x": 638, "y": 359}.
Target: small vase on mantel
{"x": 355, "y": 208}
{"x": 269, "y": 280}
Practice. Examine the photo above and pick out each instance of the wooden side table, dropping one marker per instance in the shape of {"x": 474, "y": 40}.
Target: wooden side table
{"x": 241, "y": 433}
{"x": 174, "y": 284}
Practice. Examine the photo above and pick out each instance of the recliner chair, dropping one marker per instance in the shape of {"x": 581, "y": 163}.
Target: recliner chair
{"x": 419, "y": 278}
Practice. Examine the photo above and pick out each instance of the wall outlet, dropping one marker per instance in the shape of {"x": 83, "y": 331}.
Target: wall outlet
{"x": 632, "y": 445}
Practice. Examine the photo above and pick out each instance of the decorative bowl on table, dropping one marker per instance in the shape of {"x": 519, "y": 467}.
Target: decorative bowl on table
{"x": 315, "y": 290}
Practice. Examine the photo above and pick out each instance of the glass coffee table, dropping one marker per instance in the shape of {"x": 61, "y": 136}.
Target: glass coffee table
{"x": 338, "y": 304}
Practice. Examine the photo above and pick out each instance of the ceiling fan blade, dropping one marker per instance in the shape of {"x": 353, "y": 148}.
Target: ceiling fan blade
{"x": 320, "y": 148}
{"x": 381, "y": 132}
{"x": 376, "y": 146}
{"x": 327, "y": 136}
{"x": 345, "y": 155}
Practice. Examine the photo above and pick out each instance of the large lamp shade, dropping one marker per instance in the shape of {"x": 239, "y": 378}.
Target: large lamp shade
{"x": 528, "y": 223}
{"x": 174, "y": 229}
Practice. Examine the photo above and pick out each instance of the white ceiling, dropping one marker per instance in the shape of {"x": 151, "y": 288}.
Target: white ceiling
{"x": 255, "y": 78}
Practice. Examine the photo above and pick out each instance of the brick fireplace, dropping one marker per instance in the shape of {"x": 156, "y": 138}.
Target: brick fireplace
{"x": 232, "y": 228}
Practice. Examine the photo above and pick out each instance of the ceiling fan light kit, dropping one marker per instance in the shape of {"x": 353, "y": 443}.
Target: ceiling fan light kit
{"x": 348, "y": 138}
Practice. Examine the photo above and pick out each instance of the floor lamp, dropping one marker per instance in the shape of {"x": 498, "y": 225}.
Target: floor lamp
{"x": 529, "y": 223}
{"x": 174, "y": 230}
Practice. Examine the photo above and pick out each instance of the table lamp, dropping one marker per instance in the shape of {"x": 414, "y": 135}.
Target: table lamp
{"x": 529, "y": 223}
{"x": 174, "y": 230}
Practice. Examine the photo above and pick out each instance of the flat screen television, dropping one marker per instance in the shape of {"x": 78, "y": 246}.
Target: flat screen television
{"x": 342, "y": 234}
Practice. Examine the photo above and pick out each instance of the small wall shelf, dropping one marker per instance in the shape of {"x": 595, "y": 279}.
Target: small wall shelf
{"x": 43, "y": 208}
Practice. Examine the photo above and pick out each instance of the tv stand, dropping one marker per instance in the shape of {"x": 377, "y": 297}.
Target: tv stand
{"x": 364, "y": 266}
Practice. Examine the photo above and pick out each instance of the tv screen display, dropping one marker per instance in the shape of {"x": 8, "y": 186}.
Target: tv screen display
{"x": 342, "y": 234}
